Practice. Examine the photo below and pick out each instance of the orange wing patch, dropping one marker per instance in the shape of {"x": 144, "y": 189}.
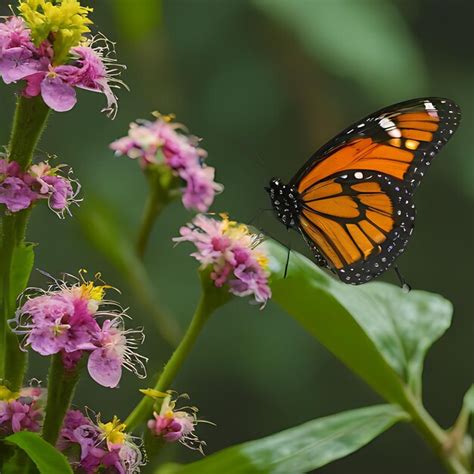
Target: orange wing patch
{"x": 340, "y": 206}
{"x": 423, "y": 116}
{"x": 350, "y": 224}
{"x": 392, "y": 156}
{"x": 363, "y": 154}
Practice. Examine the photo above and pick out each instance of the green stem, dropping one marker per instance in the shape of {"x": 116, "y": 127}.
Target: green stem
{"x": 61, "y": 386}
{"x": 157, "y": 199}
{"x": 28, "y": 124}
{"x": 434, "y": 435}
{"x": 209, "y": 302}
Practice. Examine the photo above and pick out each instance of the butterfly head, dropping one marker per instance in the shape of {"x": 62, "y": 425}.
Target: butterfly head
{"x": 285, "y": 202}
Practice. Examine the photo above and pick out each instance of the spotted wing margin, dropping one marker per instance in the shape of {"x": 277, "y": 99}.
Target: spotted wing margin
{"x": 400, "y": 140}
{"x": 357, "y": 223}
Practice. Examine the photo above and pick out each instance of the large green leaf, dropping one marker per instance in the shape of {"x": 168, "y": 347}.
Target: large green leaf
{"x": 48, "y": 459}
{"x": 368, "y": 42}
{"x": 300, "y": 449}
{"x": 378, "y": 330}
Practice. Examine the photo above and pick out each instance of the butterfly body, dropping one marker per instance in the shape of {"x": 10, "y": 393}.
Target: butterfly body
{"x": 352, "y": 201}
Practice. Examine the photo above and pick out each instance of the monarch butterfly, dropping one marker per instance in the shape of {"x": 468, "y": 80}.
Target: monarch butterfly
{"x": 352, "y": 201}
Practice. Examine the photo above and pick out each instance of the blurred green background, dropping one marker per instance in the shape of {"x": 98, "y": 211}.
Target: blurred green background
{"x": 265, "y": 83}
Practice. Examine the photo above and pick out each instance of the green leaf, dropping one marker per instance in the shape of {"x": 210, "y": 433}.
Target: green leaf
{"x": 101, "y": 226}
{"x": 379, "y": 331}
{"x": 417, "y": 320}
{"x": 368, "y": 42}
{"x": 469, "y": 400}
{"x": 48, "y": 459}
{"x": 300, "y": 449}
{"x": 22, "y": 264}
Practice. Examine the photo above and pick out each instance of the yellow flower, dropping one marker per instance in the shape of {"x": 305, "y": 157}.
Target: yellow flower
{"x": 7, "y": 395}
{"x": 64, "y": 22}
{"x": 113, "y": 432}
{"x": 92, "y": 292}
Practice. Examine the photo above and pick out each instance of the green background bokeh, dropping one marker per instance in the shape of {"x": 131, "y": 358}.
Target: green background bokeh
{"x": 265, "y": 83}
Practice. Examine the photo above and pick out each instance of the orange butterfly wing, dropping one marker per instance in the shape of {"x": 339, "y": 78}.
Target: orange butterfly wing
{"x": 356, "y": 191}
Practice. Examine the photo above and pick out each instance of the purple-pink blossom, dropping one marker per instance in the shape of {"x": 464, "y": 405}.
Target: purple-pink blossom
{"x": 101, "y": 445}
{"x": 19, "y": 190}
{"x": 163, "y": 141}
{"x": 175, "y": 424}
{"x": 16, "y": 194}
{"x": 90, "y": 67}
{"x": 74, "y": 320}
{"x": 20, "y": 411}
{"x": 235, "y": 255}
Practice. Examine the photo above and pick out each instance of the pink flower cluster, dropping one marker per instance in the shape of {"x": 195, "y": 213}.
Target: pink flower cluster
{"x": 162, "y": 141}
{"x": 20, "y": 411}
{"x": 73, "y": 319}
{"x": 90, "y": 68}
{"x": 19, "y": 190}
{"x": 101, "y": 445}
{"x": 175, "y": 424}
{"x": 232, "y": 252}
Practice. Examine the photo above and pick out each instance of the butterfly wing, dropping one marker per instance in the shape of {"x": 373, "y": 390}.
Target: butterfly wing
{"x": 357, "y": 223}
{"x": 356, "y": 191}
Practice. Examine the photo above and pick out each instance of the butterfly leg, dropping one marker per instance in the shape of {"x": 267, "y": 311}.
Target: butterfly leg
{"x": 405, "y": 286}
{"x": 287, "y": 257}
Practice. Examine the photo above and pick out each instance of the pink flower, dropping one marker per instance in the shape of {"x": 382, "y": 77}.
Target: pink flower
{"x": 58, "y": 190}
{"x": 115, "y": 349}
{"x": 14, "y": 34}
{"x": 16, "y": 194}
{"x": 175, "y": 424}
{"x": 163, "y": 142}
{"x": 55, "y": 325}
{"x": 97, "y": 71}
{"x": 90, "y": 71}
{"x": 102, "y": 445}
{"x": 234, "y": 254}
{"x": 17, "y": 52}
{"x": 17, "y": 416}
{"x": 20, "y": 190}
{"x": 66, "y": 319}
{"x": 91, "y": 67}
{"x": 200, "y": 187}
{"x": 20, "y": 410}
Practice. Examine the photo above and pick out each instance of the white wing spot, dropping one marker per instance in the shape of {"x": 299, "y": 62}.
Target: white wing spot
{"x": 358, "y": 175}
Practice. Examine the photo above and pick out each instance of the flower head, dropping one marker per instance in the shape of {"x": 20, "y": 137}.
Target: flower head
{"x": 73, "y": 319}
{"x": 102, "y": 445}
{"x": 46, "y": 48}
{"x": 164, "y": 142}
{"x": 66, "y": 20}
{"x": 16, "y": 194}
{"x": 172, "y": 423}
{"x": 20, "y": 410}
{"x": 233, "y": 253}
{"x": 19, "y": 190}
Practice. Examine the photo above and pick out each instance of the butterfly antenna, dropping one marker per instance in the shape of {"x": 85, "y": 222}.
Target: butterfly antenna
{"x": 403, "y": 283}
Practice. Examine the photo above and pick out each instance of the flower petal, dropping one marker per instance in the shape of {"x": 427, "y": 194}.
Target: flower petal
{"x": 105, "y": 367}
{"x": 58, "y": 95}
